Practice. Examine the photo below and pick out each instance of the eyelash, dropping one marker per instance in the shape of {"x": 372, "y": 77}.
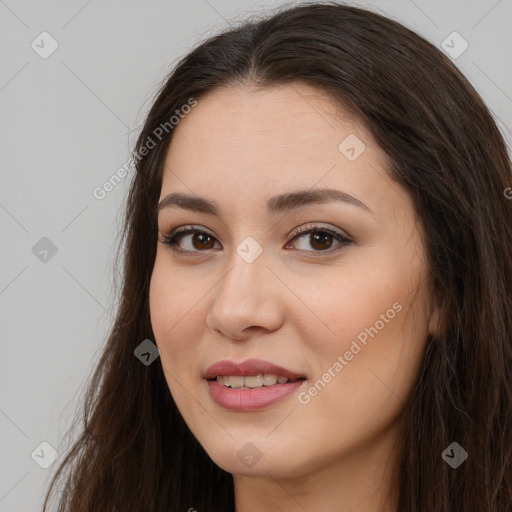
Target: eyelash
{"x": 172, "y": 238}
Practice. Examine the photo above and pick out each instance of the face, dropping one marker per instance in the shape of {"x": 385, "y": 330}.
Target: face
{"x": 345, "y": 306}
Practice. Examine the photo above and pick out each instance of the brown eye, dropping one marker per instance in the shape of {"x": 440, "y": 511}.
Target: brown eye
{"x": 189, "y": 240}
{"x": 203, "y": 240}
{"x": 320, "y": 239}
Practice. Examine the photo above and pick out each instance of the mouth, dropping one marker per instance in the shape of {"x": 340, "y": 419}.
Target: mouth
{"x": 250, "y": 385}
{"x": 243, "y": 398}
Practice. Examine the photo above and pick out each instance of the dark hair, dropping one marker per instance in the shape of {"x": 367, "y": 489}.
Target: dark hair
{"x": 136, "y": 452}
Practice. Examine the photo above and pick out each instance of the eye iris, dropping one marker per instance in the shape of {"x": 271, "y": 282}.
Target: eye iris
{"x": 321, "y": 237}
{"x": 202, "y": 237}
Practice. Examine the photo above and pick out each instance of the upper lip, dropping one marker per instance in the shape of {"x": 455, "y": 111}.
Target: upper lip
{"x": 248, "y": 367}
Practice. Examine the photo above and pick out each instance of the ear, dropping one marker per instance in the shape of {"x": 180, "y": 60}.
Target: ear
{"x": 434, "y": 323}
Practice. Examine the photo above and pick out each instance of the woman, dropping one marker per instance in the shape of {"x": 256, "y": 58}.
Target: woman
{"x": 317, "y": 241}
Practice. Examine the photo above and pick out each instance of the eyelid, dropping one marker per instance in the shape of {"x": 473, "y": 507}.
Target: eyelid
{"x": 185, "y": 230}
{"x": 191, "y": 227}
{"x": 319, "y": 226}
{"x": 340, "y": 236}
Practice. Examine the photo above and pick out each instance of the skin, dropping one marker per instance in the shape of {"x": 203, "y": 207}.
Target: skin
{"x": 294, "y": 305}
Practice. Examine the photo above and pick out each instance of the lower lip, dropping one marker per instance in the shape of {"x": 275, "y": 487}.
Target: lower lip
{"x": 251, "y": 399}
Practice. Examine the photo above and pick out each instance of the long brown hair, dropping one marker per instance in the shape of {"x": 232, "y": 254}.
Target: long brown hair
{"x": 136, "y": 453}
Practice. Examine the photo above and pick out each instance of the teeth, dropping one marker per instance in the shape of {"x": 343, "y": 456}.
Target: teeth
{"x": 270, "y": 380}
{"x": 251, "y": 381}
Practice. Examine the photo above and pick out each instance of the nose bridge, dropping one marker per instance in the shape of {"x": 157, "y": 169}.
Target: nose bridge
{"x": 244, "y": 297}
{"x": 244, "y": 281}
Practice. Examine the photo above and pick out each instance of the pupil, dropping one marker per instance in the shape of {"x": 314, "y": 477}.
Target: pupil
{"x": 319, "y": 237}
{"x": 203, "y": 243}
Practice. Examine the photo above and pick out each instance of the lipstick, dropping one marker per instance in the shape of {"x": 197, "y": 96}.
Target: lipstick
{"x": 250, "y": 399}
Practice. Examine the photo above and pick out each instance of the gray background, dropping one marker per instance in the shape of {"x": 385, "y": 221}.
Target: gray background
{"x": 67, "y": 123}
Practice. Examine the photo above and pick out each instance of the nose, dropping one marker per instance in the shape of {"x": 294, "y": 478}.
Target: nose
{"x": 246, "y": 300}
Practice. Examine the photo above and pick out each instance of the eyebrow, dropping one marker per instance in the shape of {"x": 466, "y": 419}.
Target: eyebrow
{"x": 276, "y": 204}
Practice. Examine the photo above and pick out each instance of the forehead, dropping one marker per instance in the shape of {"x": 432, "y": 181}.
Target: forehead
{"x": 288, "y": 130}
{"x": 243, "y": 145}
{"x": 281, "y": 116}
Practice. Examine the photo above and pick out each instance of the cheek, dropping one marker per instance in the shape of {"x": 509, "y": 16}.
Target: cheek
{"x": 170, "y": 298}
{"x": 174, "y": 309}
{"x": 174, "y": 306}
{"x": 344, "y": 308}
{"x": 371, "y": 321}
{"x": 364, "y": 371}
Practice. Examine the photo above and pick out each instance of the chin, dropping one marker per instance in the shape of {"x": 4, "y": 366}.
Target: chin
{"x": 249, "y": 461}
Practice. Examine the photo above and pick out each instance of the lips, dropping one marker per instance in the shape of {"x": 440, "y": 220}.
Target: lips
{"x": 249, "y": 367}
